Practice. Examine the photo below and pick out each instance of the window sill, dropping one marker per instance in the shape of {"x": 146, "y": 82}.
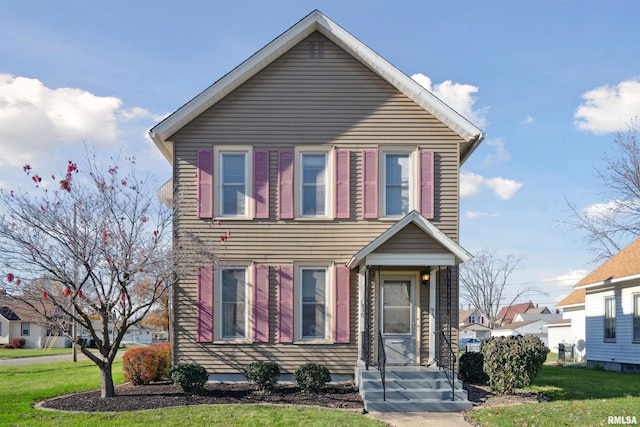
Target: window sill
{"x": 313, "y": 341}
{"x": 233, "y": 341}
{"x": 609, "y": 341}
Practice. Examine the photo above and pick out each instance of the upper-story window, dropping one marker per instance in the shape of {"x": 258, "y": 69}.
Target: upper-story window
{"x": 397, "y": 191}
{"x": 233, "y": 182}
{"x": 314, "y": 185}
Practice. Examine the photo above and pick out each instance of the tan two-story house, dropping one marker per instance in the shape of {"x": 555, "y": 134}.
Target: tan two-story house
{"x": 338, "y": 178}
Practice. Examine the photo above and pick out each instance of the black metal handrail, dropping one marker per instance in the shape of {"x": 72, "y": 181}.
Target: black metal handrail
{"x": 447, "y": 363}
{"x": 366, "y": 349}
{"x": 382, "y": 361}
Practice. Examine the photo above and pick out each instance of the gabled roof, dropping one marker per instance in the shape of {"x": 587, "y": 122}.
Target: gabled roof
{"x": 575, "y": 298}
{"x": 466, "y": 313}
{"x": 415, "y": 217}
{"x": 538, "y": 310}
{"x": 515, "y": 325}
{"x": 622, "y": 266}
{"x": 8, "y": 314}
{"x": 508, "y": 313}
{"x": 316, "y": 21}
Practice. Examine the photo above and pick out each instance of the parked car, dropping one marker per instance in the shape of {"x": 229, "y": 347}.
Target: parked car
{"x": 470, "y": 344}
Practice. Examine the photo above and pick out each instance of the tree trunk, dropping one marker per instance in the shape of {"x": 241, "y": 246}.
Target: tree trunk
{"x": 107, "y": 389}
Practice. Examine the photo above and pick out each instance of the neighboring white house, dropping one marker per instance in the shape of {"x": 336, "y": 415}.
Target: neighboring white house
{"x": 570, "y": 330}
{"x": 473, "y": 315}
{"x": 17, "y": 321}
{"x": 475, "y": 330}
{"x": 612, "y": 304}
{"x": 535, "y": 328}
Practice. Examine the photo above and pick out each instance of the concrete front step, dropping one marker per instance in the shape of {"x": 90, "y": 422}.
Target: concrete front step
{"x": 421, "y": 405}
{"x": 410, "y": 389}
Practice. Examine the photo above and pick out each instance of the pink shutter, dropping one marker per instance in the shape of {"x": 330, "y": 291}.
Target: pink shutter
{"x": 205, "y": 304}
{"x": 285, "y": 303}
{"x": 261, "y": 304}
{"x": 370, "y": 183}
{"x": 342, "y": 315}
{"x": 261, "y": 183}
{"x": 205, "y": 183}
{"x": 343, "y": 176}
{"x": 426, "y": 184}
{"x": 285, "y": 184}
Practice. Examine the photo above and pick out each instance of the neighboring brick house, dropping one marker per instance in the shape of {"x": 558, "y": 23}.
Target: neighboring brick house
{"x": 338, "y": 177}
{"x": 507, "y": 314}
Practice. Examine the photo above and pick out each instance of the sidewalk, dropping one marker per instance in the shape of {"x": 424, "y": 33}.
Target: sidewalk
{"x": 421, "y": 419}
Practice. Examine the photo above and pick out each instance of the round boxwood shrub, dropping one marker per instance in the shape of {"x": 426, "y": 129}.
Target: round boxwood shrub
{"x": 471, "y": 368}
{"x": 512, "y": 362}
{"x": 264, "y": 375}
{"x": 190, "y": 376}
{"x": 312, "y": 377}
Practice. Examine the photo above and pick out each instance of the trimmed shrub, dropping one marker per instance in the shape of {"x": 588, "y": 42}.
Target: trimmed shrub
{"x": 512, "y": 362}
{"x": 140, "y": 365}
{"x": 18, "y": 342}
{"x": 190, "y": 376}
{"x": 264, "y": 375}
{"x": 163, "y": 351}
{"x": 312, "y": 377}
{"x": 471, "y": 368}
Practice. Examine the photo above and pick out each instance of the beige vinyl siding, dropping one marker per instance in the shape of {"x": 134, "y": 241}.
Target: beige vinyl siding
{"x": 411, "y": 239}
{"x": 298, "y": 100}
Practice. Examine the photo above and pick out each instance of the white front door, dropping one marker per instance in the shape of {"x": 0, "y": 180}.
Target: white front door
{"x": 397, "y": 324}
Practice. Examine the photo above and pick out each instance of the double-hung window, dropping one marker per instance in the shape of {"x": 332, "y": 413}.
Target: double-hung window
{"x": 397, "y": 186}
{"x": 610, "y": 319}
{"x": 313, "y": 301}
{"x": 636, "y": 318}
{"x": 313, "y": 184}
{"x": 25, "y": 328}
{"x": 233, "y": 303}
{"x": 233, "y": 182}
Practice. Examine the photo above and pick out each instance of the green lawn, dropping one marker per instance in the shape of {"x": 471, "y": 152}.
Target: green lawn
{"x": 22, "y": 386}
{"x": 579, "y": 397}
{"x": 31, "y": 352}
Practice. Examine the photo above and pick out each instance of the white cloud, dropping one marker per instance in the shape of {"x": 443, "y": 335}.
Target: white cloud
{"x": 528, "y": 120}
{"x": 505, "y": 189}
{"x": 600, "y": 211}
{"x": 458, "y": 96}
{"x": 471, "y": 184}
{"x": 472, "y": 215}
{"x": 500, "y": 154}
{"x": 607, "y": 108}
{"x": 36, "y": 120}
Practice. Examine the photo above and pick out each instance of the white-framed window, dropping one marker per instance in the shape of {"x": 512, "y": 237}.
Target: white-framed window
{"x": 636, "y": 318}
{"x": 398, "y": 181}
{"x": 610, "y": 319}
{"x": 232, "y": 295}
{"x": 314, "y": 182}
{"x": 25, "y": 328}
{"x": 233, "y": 170}
{"x": 313, "y": 299}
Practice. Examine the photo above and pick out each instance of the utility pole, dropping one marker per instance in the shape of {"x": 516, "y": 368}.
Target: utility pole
{"x": 74, "y": 353}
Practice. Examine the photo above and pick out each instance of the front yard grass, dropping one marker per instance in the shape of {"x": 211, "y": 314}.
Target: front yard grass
{"x": 23, "y": 386}
{"x": 14, "y": 353}
{"x": 579, "y": 397}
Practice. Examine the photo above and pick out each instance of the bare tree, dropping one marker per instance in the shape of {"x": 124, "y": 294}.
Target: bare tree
{"x": 484, "y": 280}
{"x": 95, "y": 248}
{"x": 609, "y": 226}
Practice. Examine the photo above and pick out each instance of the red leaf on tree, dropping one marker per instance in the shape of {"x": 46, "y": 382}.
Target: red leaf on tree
{"x": 36, "y": 179}
{"x": 18, "y": 281}
{"x": 26, "y": 168}
{"x": 66, "y": 292}
{"x": 124, "y": 183}
{"x": 79, "y": 294}
{"x": 10, "y": 277}
{"x": 45, "y": 295}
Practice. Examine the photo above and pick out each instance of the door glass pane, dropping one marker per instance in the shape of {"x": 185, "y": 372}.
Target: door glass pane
{"x": 313, "y": 303}
{"x": 396, "y": 308}
{"x": 233, "y": 184}
{"x": 233, "y": 303}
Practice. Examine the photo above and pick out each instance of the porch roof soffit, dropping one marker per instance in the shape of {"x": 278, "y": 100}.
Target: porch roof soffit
{"x": 458, "y": 252}
{"x": 315, "y": 21}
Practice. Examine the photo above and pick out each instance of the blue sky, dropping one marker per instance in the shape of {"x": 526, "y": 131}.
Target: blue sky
{"x": 549, "y": 82}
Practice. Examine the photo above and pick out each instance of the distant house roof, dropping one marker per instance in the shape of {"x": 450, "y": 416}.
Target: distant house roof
{"x": 516, "y": 325}
{"x": 559, "y": 323}
{"x": 508, "y": 313}
{"x": 464, "y": 314}
{"x": 547, "y": 317}
{"x": 575, "y": 298}
{"x": 625, "y": 264}
{"x": 316, "y": 21}
{"x": 538, "y": 310}
{"x": 474, "y": 327}
{"x": 18, "y": 310}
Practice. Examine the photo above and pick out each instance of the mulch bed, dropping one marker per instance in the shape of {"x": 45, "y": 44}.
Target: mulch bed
{"x": 166, "y": 394}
